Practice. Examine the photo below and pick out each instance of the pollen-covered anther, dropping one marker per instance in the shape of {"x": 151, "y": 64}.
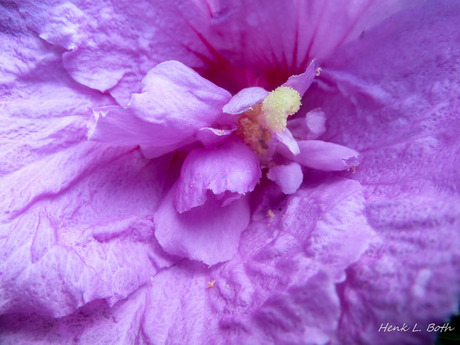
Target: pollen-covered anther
{"x": 278, "y": 105}
{"x": 253, "y": 133}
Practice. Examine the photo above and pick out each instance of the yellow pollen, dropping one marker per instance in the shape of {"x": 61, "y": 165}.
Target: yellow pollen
{"x": 250, "y": 129}
{"x": 278, "y": 105}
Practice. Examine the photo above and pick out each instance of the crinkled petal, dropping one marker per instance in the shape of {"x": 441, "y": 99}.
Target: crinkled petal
{"x": 280, "y": 288}
{"x": 244, "y": 100}
{"x": 234, "y": 167}
{"x": 174, "y": 104}
{"x": 208, "y": 36}
{"x": 324, "y": 156}
{"x": 112, "y": 46}
{"x": 209, "y": 233}
{"x": 288, "y": 177}
{"x": 66, "y": 234}
{"x": 84, "y": 233}
{"x": 403, "y": 118}
{"x": 302, "y": 82}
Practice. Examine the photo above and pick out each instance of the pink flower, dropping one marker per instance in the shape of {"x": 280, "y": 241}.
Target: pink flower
{"x": 203, "y": 221}
{"x": 226, "y": 141}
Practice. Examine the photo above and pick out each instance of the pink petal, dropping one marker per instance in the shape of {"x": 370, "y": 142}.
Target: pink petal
{"x": 325, "y": 156}
{"x": 245, "y": 99}
{"x": 285, "y": 137}
{"x": 403, "y": 118}
{"x": 285, "y": 279}
{"x": 72, "y": 231}
{"x": 151, "y": 152}
{"x": 316, "y": 123}
{"x": 298, "y": 128}
{"x": 302, "y": 82}
{"x": 206, "y": 36}
{"x": 211, "y": 137}
{"x": 66, "y": 238}
{"x": 233, "y": 167}
{"x": 287, "y": 177}
{"x": 209, "y": 233}
{"x": 174, "y": 104}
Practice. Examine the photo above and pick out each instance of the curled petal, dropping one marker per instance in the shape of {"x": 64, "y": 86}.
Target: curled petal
{"x": 286, "y": 138}
{"x": 324, "y": 156}
{"x": 244, "y": 100}
{"x": 211, "y": 137}
{"x": 302, "y": 82}
{"x": 287, "y": 177}
{"x": 233, "y": 167}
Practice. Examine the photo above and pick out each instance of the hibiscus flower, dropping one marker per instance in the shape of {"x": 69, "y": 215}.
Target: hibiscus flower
{"x": 219, "y": 199}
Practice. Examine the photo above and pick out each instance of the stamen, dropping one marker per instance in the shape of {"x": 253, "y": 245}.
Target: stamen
{"x": 252, "y": 132}
{"x": 278, "y": 105}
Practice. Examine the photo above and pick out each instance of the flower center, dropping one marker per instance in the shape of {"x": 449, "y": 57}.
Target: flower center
{"x": 250, "y": 128}
{"x": 256, "y": 126}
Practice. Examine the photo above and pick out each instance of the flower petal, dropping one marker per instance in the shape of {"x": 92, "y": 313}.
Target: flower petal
{"x": 285, "y": 137}
{"x": 310, "y": 127}
{"x": 244, "y": 100}
{"x": 211, "y": 137}
{"x": 284, "y": 275}
{"x": 302, "y": 82}
{"x": 206, "y": 36}
{"x": 233, "y": 167}
{"x": 298, "y": 128}
{"x": 403, "y": 118}
{"x": 288, "y": 177}
{"x": 209, "y": 233}
{"x": 69, "y": 232}
{"x": 316, "y": 123}
{"x": 174, "y": 104}
{"x": 67, "y": 238}
{"x": 324, "y": 156}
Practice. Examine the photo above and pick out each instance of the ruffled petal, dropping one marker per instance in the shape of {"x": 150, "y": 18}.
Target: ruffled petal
{"x": 66, "y": 234}
{"x": 233, "y": 167}
{"x": 209, "y": 233}
{"x": 72, "y": 232}
{"x": 174, "y": 104}
{"x": 280, "y": 288}
{"x": 403, "y": 118}
{"x": 109, "y": 52}
{"x": 288, "y": 177}
{"x": 244, "y": 100}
